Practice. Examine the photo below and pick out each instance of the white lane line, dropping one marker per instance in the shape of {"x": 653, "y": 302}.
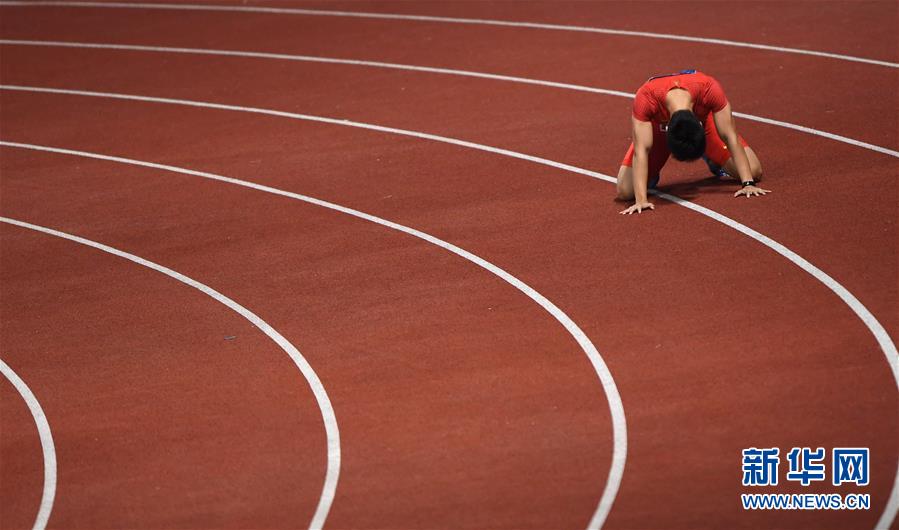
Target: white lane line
{"x": 883, "y": 339}
{"x": 47, "y": 447}
{"x": 616, "y": 408}
{"x": 450, "y": 20}
{"x": 892, "y": 507}
{"x": 428, "y": 69}
{"x": 321, "y": 396}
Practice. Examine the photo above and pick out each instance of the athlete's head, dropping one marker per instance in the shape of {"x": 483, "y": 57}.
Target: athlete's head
{"x": 686, "y": 137}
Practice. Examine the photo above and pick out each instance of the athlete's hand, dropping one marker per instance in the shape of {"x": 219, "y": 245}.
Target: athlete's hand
{"x": 751, "y": 191}
{"x": 638, "y": 207}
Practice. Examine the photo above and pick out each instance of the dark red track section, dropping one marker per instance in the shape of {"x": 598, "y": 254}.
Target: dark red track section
{"x": 461, "y": 403}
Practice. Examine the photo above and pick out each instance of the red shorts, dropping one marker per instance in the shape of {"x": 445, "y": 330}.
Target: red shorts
{"x": 715, "y": 149}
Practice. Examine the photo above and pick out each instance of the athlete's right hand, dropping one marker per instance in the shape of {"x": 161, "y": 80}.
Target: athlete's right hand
{"x": 751, "y": 191}
{"x": 638, "y": 207}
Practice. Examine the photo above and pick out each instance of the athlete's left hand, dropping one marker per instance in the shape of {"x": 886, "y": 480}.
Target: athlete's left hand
{"x": 751, "y": 191}
{"x": 638, "y": 207}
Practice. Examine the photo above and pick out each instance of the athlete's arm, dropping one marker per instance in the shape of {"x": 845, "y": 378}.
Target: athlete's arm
{"x": 642, "y": 144}
{"x": 727, "y": 130}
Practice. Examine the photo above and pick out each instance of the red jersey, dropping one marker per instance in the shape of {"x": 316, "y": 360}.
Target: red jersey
{"x": 707, "y": 94}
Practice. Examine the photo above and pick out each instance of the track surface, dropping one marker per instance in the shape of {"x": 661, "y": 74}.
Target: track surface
{"x": 461, "y": 403}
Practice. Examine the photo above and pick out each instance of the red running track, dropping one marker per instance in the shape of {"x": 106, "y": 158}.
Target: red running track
{"x": 460, "y": 402}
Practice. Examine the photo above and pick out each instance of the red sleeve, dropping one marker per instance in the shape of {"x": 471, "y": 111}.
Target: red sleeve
{"x": 645, "y": 106}
{"x": 714, "y": 98}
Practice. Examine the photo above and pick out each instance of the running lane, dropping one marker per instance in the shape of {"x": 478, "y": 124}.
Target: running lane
{"x": 788, "y": 87}
{"x": 167, "y": 408}
{"x": 830, "y": 27}
{"x": 683, "y": 378}
{"x": 20, "y": 452}
{"x": 451, "y": 387}
{"x": 500, "y": 114}
{"x": 828, "y": 228}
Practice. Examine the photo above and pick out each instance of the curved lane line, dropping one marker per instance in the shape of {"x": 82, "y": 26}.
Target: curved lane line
{"x": 428, "y": 69}
{"x": 47, "y": 447}
{"x": 619, "y": 425}
{"x": 321, "y": 396}
{"x": 883, "y": 339}
{"x": 451, "y": 20}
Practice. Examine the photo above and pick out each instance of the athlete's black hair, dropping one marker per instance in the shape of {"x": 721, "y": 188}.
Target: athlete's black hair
{"x": 686, "y": 137}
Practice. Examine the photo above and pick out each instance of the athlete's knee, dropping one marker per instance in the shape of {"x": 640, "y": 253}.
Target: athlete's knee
{"x": 757, "y": 172}
{"x": 624, "y": 189}
{"x": 755, "y": 166}
{"x": 624, "y": 195}
{"x": 625, "y": 184}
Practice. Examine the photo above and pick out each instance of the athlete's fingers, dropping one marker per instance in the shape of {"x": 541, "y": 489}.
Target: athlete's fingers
{"x": 637, "y": 208}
